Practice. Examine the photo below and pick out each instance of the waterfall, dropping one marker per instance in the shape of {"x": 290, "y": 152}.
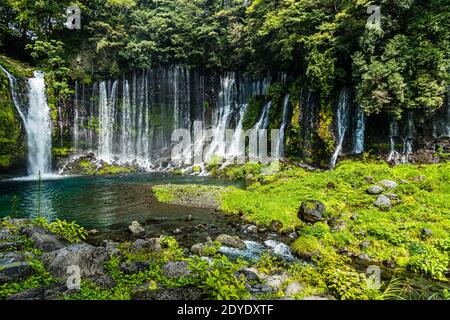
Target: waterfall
{"x": 343, "y": 121}
{"x": 37, "y": 123}
{"x": 76, "y": 120}
{"x": 406, "y": 136}
{"x": 38, "y": 127}
{"x": 130, "y": 121}
{"x": 441, "y": 123}
{"x": 285, "y": 119}
{"x": 360, "y": 130}
{"x": 263, "y": 122}
{"x": 217, "y": 147}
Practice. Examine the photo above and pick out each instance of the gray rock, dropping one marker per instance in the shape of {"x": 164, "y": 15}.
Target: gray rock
{"x": 199, "y": 248}
{"x": 176, "y": 269}
{"x": 391, "y": 196}
{"x": 87, "y": 257}
{"x": 105, "y": 282}
{"x": 383, "y": 202}
{"x": 44, "y": 239}
{"x": 230, "y": 241}
{"x": 10, "y": 246}
{"x": 318, "y": 298}
{"x": 53, "y": 292}
{"x": 251, "y": 229}
{"x": 152, "y": 244}
{"x": 364, "y": 258}
{"x": 190, "y": 218}
{"x": 293, "y": 289}
{"x": 15, "y": 271}
{"x": 136, "y": 228}
{"x": 375, "y": 190}
{"x": 276, "y": 281}
{"x": 175, "y": 294}
{"x": 389, "y": 184}
{"x": 111, "y": 247}
{"x": 177, "y": 231}
{"x": 425, "y": 232}
{"x": 365, "y": 244}
{"x": 134, "y": 267}
{"x": 5, "y": 234}
{"x": 260, "y": 289}
{"x": 276, "y": 226}
{"x": 368, "y": 179}
{"x": 311, "y": 211}
{"x": 250, "y": 274}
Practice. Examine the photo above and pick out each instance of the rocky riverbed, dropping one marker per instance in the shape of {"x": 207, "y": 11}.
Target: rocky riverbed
{"x": 36, "y": 263}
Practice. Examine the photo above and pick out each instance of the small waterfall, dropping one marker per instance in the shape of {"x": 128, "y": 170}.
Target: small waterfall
{"x": 38, "y": 126}
{"x": 405, "y": 136}
{"x": 76, "y": 119}
{"x": 285, "y": 119}
{"x": 126, "y": 144}
{"x": 263, "y": 122}
{"x": 360, "y": 130}
{"x": 441, "y": 123}
{"x": 343, "y": 121}
{"x": 217, "y": 147}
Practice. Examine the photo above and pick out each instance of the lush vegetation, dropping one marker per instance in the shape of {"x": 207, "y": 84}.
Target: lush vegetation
{"x": 402, "y": 65}
{"x": 412, "y": 235}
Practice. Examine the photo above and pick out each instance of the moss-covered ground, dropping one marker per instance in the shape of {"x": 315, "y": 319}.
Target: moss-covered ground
{"x": 412, "y": 237}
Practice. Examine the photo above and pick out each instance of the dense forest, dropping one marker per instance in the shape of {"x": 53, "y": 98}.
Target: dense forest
{"x": 402, "y": 65}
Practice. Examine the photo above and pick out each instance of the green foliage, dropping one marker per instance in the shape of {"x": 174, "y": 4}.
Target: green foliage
{"x": 70, "y": 231}
{"x": 218, "y": 278}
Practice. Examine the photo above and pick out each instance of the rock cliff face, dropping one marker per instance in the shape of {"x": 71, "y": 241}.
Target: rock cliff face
{"x": 12, "y": 147}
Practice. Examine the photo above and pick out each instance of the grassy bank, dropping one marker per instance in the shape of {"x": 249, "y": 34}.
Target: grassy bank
{"x": 413, "y": 235}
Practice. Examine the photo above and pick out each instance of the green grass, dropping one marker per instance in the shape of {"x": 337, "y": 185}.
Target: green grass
{"x": 17, "y": 68}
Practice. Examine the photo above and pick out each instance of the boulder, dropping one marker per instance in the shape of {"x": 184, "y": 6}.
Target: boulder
{"x": 251, "y": 229}
{"x": 251, "y": 274}
{"x": 276, "y": 226}
{"x": 88, "y": 258}
{"x": 136, "y": 228}
{"x": 230, "y": 241}
{"x": 199, "y": 248}
{"x": 311, "y": 211}
{"x": 152, "y": 244}
{"x": 176, "y": 269}
{"x": 11, "y": 246}
{"x": 134, "y": 267}
{"x": 53, "y": 292}
{"x": 276, "y": 281}
{"x": 375, "y": 190}
{"x": 389, "y": 184}
{"x": 15, "y": 271}
{"x": 4, "y": 234}
{"x": 175, "y": 294}
{"x": 425, "y": 232}
{"x": 293, "y": 289}
{"x": 383, "y": 202}
{"x": 43, "y": 239}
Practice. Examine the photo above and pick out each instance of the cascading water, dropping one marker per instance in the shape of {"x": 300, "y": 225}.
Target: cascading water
{"x": 130, "y": 121}
{"x": 285, "y": 119}
{"x": 38, "y": 126}
{"x": 441, "y": 123}
{"x": 37, "y": 123}
{"x": 343, "y": 122}
{"x": 360, "y": 130}
{"x": 406, "y": 136}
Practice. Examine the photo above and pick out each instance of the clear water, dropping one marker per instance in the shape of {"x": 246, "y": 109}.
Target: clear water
{"x": 104, "y": 203}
